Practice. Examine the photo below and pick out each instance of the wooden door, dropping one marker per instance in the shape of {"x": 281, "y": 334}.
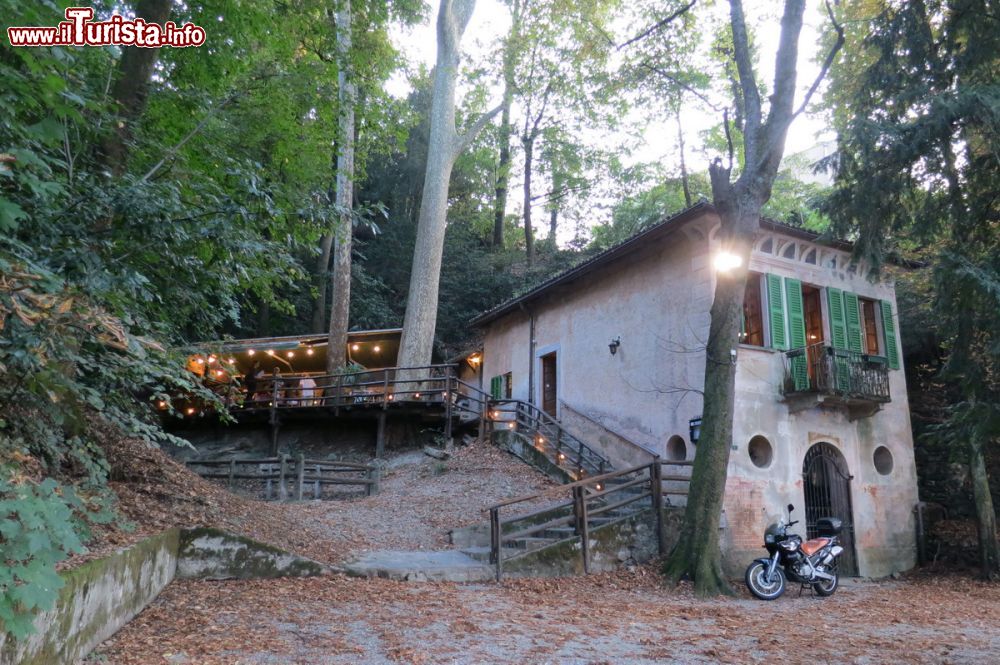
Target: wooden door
{"x": 549, "y": 387}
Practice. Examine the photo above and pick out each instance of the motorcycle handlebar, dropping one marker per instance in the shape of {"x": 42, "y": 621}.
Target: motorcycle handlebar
{"x": 792, "y": 523}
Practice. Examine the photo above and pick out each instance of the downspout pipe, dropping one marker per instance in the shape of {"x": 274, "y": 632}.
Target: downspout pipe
{"x": 531, "y": 352}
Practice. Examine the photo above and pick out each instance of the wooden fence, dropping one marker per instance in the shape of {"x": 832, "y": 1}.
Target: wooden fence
{"x": 282, "y": 478}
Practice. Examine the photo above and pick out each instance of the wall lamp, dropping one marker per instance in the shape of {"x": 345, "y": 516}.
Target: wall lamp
{"x": 695, "y": 426}
{"x": 613, "y": 346}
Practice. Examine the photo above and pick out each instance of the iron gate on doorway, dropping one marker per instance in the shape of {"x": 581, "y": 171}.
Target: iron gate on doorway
{"x": 827, "y": 487}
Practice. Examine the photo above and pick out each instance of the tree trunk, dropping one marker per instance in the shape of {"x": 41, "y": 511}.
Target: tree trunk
{"x": 503, "y": 167}
{"x": 444, "y": 145}
{"x": 684, "y": 172}
{"x": 264, "y": 320}
{"x": 131, "y": 88}
{"x": 989, "y": 548}
{"x": 340, "y": 275}
{"x": 697, "y": 554}
{"x": 319, "y": 320}
{"x": 528, "y": 142}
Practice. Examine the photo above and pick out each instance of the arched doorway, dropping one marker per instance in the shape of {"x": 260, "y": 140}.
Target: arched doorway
{"x": 827, "y": 487}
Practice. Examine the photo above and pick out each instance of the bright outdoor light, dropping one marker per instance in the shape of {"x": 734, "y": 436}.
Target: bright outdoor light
{"x": 725, "y": 261}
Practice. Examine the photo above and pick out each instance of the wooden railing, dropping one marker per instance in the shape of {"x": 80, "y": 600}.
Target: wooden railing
{"x": 426, "y": 384}
{"x": 587, "y": 504}
{"x": 281, "y": 477}
{"x": 548, "y": 436}
{"x": 822, "y": 369}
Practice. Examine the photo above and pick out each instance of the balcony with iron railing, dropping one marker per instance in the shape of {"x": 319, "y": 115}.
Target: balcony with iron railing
{"x": 836, "y": 376}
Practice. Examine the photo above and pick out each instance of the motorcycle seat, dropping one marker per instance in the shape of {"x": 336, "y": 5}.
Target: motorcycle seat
{"x": 810, "y": 547}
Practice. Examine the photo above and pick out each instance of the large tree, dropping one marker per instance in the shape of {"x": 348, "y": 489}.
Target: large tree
{"x": 340, "y": 276}
{"x": 918, "y": 112}
{"x": 739, "y": 195}
{"x": 444, "y": 146}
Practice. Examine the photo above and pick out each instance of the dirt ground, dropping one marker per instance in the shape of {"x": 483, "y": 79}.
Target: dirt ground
{"x": 626, "y": 617}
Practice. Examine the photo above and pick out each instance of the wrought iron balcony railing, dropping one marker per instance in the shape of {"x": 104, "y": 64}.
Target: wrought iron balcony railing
{"x": 820, "y": 369}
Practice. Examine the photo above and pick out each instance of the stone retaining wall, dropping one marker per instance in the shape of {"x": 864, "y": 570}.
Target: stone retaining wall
{"x": 98, "y": 598}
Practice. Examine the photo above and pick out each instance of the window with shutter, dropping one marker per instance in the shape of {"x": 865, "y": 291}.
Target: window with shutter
{"x": 852, "y": 318}
{"x": 838, "y": 327}
{"x": 838, "y": 337}
{"x": 752, "y": 319}
{"x": 797, "y": 332}
{"x": 776, "y": 313}
{"x": 496, "y": 387}
{"x": 889, "y": 330}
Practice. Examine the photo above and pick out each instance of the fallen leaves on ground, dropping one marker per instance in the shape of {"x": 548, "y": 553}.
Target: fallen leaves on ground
{"x": 628, "y": 616}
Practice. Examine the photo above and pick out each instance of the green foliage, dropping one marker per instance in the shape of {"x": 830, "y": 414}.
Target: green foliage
{"x": 38, "y": 528}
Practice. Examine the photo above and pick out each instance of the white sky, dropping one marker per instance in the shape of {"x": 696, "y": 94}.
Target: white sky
{"x": 658, "y": 141}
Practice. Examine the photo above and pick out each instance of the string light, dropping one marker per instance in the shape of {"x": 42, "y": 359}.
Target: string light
{"x": 561, "y": 456}
{"x": 250, "y": 352}
{"x": 199, "y": 360}
{"x": 417, "y": 395}
{"x": 511, "y": 425}
{"x": 231, "y": 361}
{"x": 219, "y": 373}
{"x": 355, "y": 347}
{"x": 309, "y": 352}
{"x": 376, "y": 348}
{"x": 598, "y": 487}
{"x": 211, "y": 359}
{"x": 161, "y": 404}
{"x": 270, "y": 352}
{"x": 190, "y": 411}
{"x": 290, "y": 354}
{"x": 390, "y": 397}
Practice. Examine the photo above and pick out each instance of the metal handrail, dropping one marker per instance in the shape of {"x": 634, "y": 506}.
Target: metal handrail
{"x": 550, "y": 437}
{"x": 821, "y": 368}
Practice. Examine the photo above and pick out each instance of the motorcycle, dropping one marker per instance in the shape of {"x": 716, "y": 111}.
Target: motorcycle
{"x": 810, "y": 563}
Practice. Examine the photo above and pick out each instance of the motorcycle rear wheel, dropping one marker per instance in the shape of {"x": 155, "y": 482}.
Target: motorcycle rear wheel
{"x": 827, "y": 587}
{"x": 757, "y": 583}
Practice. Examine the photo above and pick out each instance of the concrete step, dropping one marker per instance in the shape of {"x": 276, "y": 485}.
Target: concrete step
{"x": 479, "y": 553}
{"x": 432, "y": 566}
{"x": 531, "y": 543}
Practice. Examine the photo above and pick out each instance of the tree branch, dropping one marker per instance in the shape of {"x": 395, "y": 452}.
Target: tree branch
{"x": 187, "y": 137}
{"x": 744, "y": 64}
{"x": 462, "y": 142}
{"x": 827, "y": 63}
{"x": 673, "y": 79}
{"x": 659, "y": 24}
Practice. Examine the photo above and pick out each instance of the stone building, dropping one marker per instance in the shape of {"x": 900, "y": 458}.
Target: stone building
{"x": 822, "y": 419}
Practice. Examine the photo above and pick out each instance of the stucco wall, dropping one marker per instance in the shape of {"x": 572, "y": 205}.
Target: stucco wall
{"x": 658, "y": 306}
{"x": 658, "y": 301}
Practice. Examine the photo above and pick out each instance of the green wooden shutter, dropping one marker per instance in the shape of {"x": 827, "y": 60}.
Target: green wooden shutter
{"x": 838, "y": 327}
{"x": 776, "y": 313}
{"x": 797, "y": 332}
{"x": 838, "y": 335}
{"x": 496, "y": 387}
{"x": 852, "y": 316}
{"x": 889, "y": 330}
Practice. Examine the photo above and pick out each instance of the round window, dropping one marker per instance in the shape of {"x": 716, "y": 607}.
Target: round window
{"x": 676, "y": 449}
{"x": 760, "y": 452}
{"x": 883, "y": 460}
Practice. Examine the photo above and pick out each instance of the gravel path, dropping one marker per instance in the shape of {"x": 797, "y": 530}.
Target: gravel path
{"x": 422, "y": 499}
{"x": 626, "y": 617}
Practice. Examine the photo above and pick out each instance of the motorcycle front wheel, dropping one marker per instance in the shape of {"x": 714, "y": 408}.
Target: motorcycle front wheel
{"x": 827, "y": 587}
{"x": 756, "y": 579}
